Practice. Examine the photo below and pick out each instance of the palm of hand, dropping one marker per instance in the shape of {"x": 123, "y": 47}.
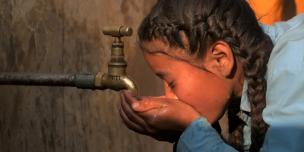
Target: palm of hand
{"x": 159, "y": 117}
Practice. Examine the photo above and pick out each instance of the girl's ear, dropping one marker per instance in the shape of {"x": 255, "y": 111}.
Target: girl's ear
{"x": 220, "y": 59}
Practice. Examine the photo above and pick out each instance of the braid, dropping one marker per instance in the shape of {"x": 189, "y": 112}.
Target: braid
{"x": 257, "y": 93}
{"x": 207, "y": 21}
{"x": 235, "y": 125}
{"x": 253, "y": 47}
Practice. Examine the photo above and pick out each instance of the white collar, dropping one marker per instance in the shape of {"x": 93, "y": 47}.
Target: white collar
{"x": 245, "y": 105}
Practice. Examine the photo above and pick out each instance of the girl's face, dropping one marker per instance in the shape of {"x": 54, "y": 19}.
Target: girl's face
{"x": 189, "y": 79}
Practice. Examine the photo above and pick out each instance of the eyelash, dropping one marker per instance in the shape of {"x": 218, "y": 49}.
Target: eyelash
{"x": 171, "y": 84}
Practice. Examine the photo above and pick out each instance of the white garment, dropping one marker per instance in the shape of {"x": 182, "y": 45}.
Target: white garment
{"x": 285, "y": 74}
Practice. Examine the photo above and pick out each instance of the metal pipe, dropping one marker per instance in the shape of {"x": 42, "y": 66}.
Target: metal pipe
{"x": 36, "y": 79}
{"x": 82, "y": 81}
{"x": 43, "y": 79}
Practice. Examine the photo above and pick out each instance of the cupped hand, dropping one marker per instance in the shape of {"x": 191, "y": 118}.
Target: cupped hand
{"x": 159, "y": 117}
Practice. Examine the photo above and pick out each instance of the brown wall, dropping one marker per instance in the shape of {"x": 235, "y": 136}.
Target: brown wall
{"x": 64, "y": 36}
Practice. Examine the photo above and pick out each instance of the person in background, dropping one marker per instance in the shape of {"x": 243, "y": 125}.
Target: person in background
{"x": 271, "y": 11}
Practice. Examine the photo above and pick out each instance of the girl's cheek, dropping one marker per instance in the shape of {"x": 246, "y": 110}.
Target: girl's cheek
{"x": 188, "y": 95}
{"x": 200, "y": 98}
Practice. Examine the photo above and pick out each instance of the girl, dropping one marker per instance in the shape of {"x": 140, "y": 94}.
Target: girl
{"x": 209, "y": 52}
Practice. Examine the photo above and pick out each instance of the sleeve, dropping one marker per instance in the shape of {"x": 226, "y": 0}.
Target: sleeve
{"x": 285, "y": 80}
{"x": 282, "y": 139}
{"x": 277, "y": 30}
{"x": 201, "y": 137}
{"x": 284, "y": 110}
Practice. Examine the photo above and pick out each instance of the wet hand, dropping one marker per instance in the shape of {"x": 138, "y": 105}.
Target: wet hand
{"x": 159, "y": 117}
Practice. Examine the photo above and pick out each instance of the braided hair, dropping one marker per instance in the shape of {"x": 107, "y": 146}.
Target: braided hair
{"x": 207, "y": 21}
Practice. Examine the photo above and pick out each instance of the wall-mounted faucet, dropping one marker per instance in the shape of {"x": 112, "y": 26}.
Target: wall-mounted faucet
{"x": 115, "y": 79}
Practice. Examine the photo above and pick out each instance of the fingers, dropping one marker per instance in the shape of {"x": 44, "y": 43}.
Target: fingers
{"x": 129, "y": 97}
{"x": 132, "y": 119}
{"x": 131, "y": 125}
{"x": 148, "y": 104}
{"x": 147, "y": 109}
{"x": 145, "y": 104}
{"x": 126, "y": 108}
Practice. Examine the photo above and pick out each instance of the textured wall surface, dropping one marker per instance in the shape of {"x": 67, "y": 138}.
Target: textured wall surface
{"x": 64, "y": 36}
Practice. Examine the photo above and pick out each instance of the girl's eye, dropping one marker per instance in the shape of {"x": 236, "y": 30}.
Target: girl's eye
{"x": 171, "y": 84}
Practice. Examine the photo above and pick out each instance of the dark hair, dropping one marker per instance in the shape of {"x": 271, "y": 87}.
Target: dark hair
{"x": 207, "y": 21}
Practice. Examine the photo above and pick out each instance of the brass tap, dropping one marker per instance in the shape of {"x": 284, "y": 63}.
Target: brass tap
{"x": 116, "y": 78}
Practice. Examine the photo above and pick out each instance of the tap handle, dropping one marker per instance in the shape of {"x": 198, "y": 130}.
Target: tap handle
{"x": 118, "y": 32}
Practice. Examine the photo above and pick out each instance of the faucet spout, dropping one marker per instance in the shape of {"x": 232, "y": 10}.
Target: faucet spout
{"x": 122, "y": 82}
{"x": 130, "y": 85}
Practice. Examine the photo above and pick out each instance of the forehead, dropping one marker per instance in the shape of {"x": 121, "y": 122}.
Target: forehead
{"x": 157, "y": 46}
{"x": 167, "y": 67}
{"x": 160, "y": 55}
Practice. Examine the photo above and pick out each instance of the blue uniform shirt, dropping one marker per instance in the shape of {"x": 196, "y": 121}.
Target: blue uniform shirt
{"x": 284, "y": 110}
